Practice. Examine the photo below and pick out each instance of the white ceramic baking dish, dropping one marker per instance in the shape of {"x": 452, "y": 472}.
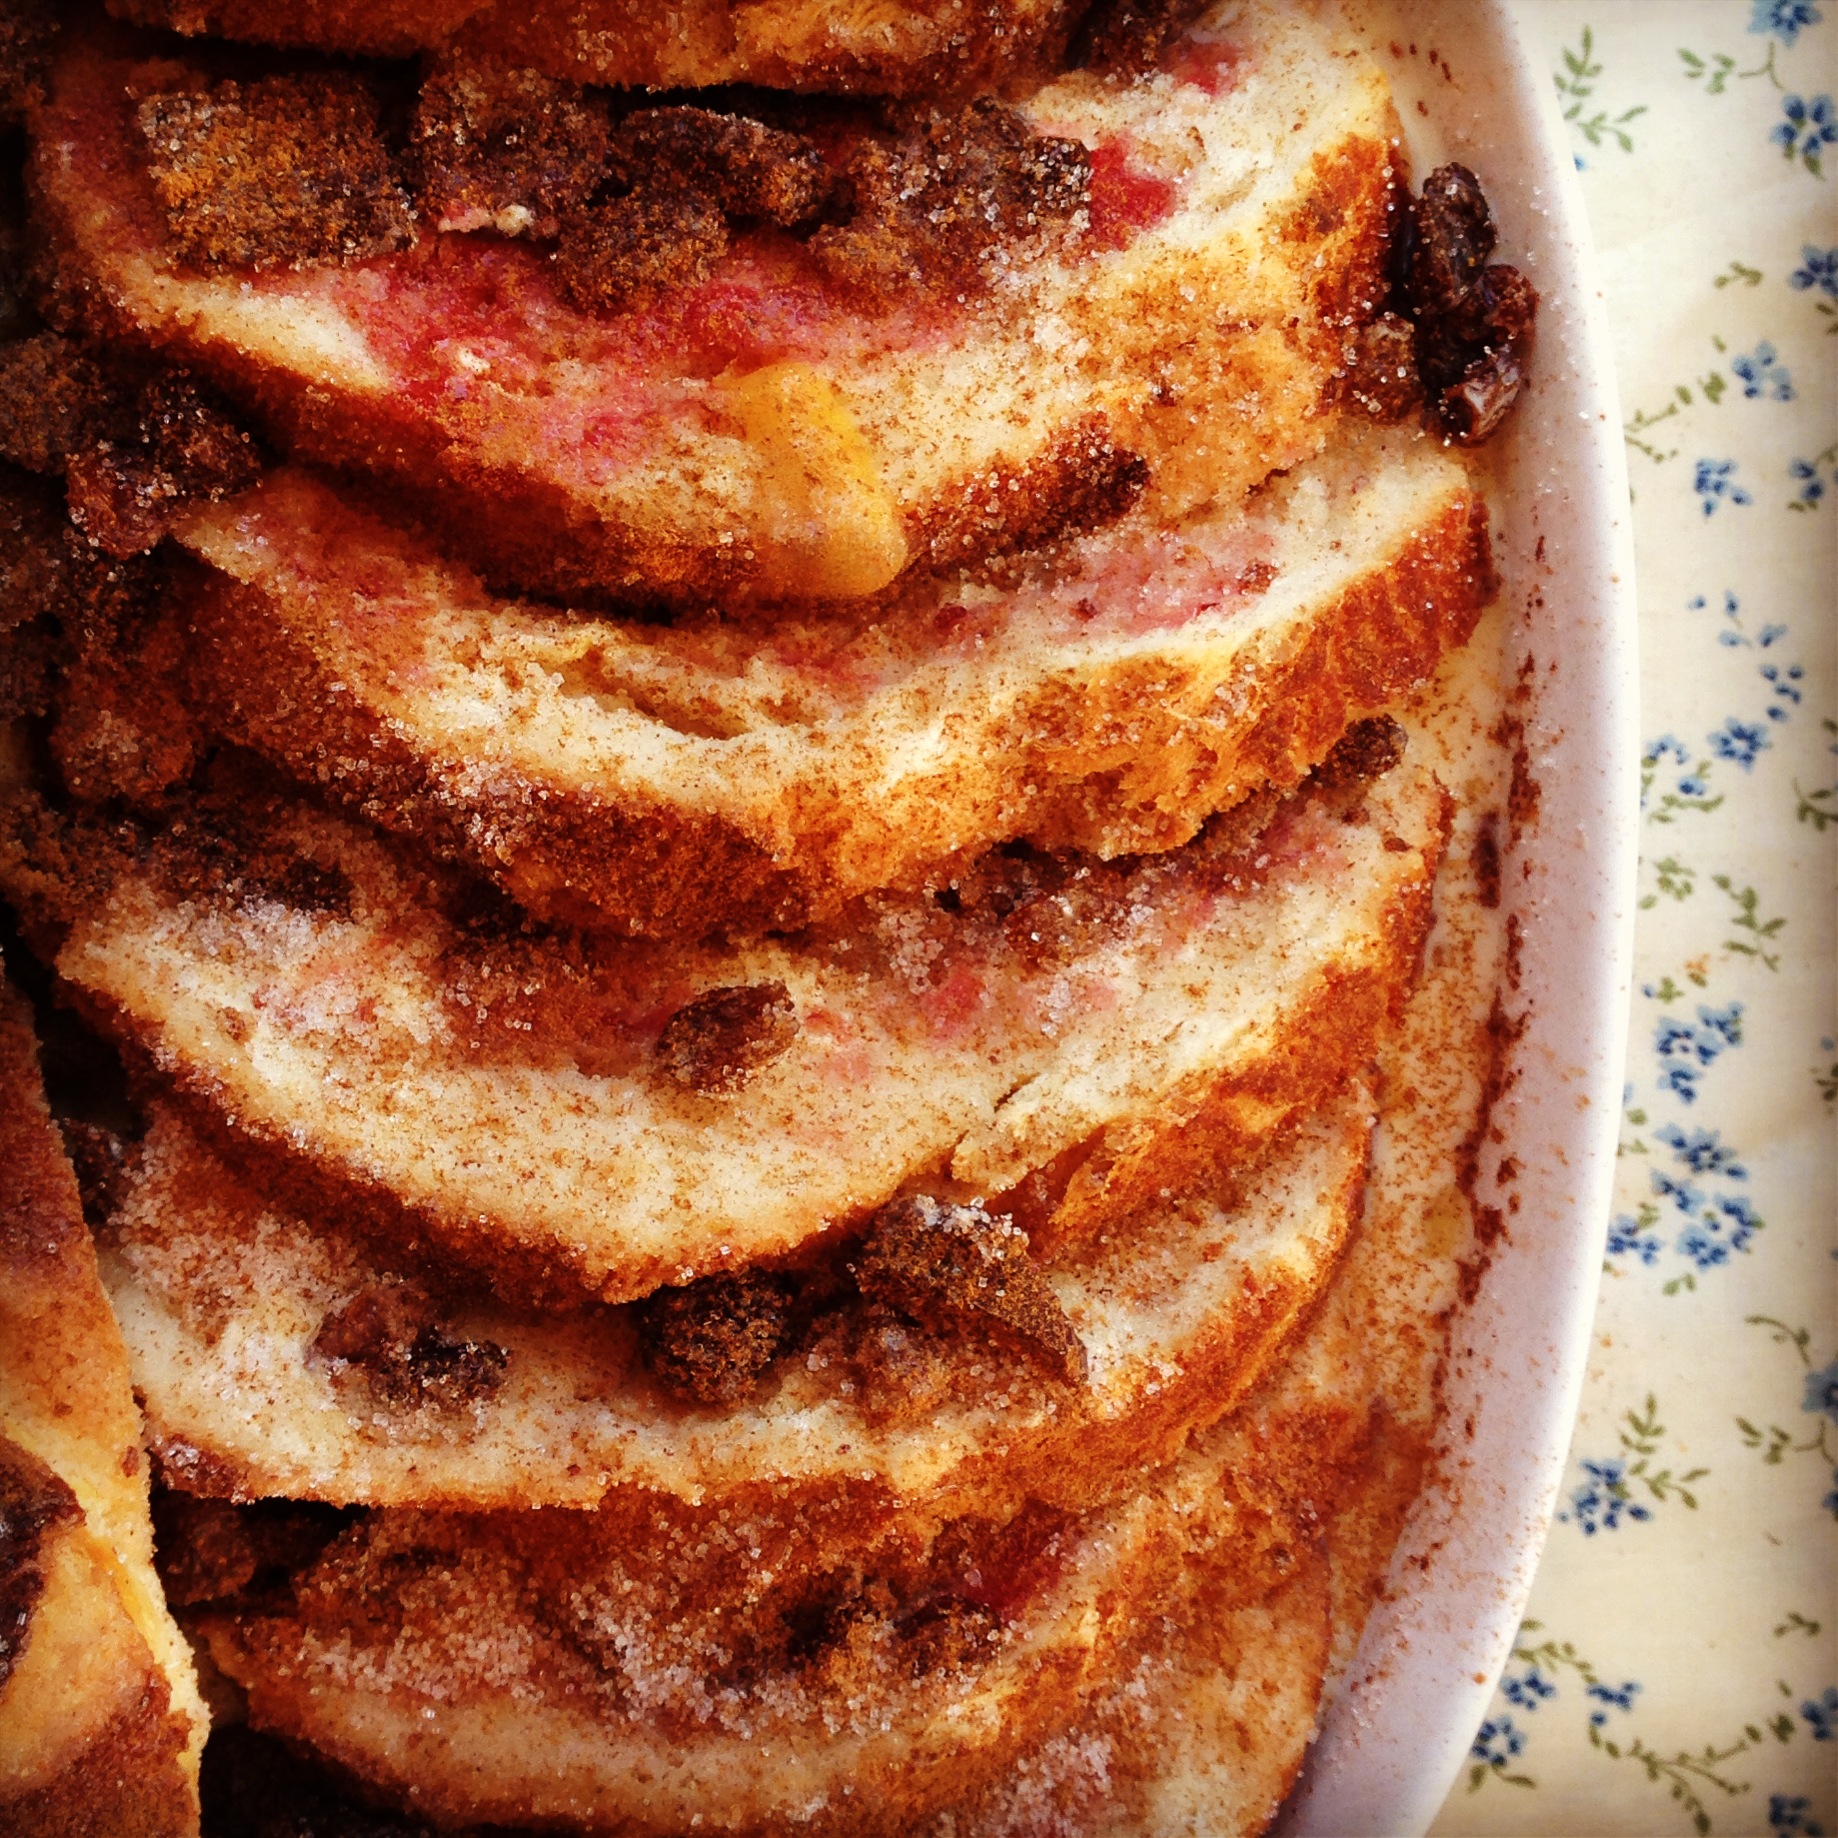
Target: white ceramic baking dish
{"x": 1396, "y": 1735}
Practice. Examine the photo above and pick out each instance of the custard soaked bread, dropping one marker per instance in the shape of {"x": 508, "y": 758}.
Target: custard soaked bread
{"x": 614, "y": 1116}
{"x": 635, "y": 1669}
{"x": 758, "y": 361}
{"x": 1107, "y": 696}
{"x": 100, "y": 1720}
{"x": 282, "y": 1357}
{"x": 906, "y": 48}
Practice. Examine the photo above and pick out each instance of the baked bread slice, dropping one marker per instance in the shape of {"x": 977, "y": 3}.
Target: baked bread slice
{"x": 101, "y": 1725}
{"x": 611, "y": 1116}
{"x": 673, "y": 779}
{"x": 644, "y": 1667}
{"x": 236, "y": 1313}
{"x": 912, "y": 47}
{"x": 758, "y": 433}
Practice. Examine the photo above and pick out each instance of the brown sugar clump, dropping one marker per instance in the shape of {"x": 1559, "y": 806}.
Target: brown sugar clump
{"x": 54, "y": 401}
{"x": 938, "y": 206}
{"x": 928, "y": 1258}
{"x": 388, "y": 1340}
{"x": 716, "y": 1043}
{"x": 1382, "y": 378}
{"x": 27, "y": 28}
{"x": 1126, "y": 38}
{"x": 629, "y": 253}
{"x": 505, "y": 149}
{"x": 178, "y": 445}
{"x": 714, "y": 1340}
{"x": 286, "y": 171}
{"x": 1366, "y": 751}
{"x": 33, "y": 1502}
{"x": 741, "y": 165}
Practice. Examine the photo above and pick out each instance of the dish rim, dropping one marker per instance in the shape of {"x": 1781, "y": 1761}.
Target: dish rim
{"x": 1400, "y": 1726}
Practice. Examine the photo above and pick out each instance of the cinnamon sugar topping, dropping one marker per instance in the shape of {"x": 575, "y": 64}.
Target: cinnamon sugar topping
{"x": 388, "y": 1340}
{"x": 505, "y": 149}
{"x": 927, "y": 1258}
{"x": 714, "y": 1340}
{"x": 941, "y": 205}
{"x": 286, "y": 171}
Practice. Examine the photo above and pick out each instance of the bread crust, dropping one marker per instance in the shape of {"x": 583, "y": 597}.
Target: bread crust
{"x": 915, "y": 47}
{"x": 1110, "y": 750}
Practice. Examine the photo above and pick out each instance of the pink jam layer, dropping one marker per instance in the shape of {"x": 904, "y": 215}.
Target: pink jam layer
{"x": 477, "y": 342}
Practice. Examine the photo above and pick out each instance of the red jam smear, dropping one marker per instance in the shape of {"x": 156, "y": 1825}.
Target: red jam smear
{"x": 1126, "y": 199}
{"x": 1213, "y": 66}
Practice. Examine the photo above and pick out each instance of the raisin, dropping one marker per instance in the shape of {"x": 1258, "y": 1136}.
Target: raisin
{"x": 930, "y": 1259}
{"x": 626, "y": 254}
{"x": 1448, "y": 238}
{"x": 54, "y": 402}
{"x": 388, "y": 1337}
{"x": 743, "y": 167}
{"x": 714, "y": 1340}
{"x": 1474, "y": 408}
{"x": 505, "y": 149}
{"x": 285, "y": 171}
{"x": 717, "y": 1043}
{"x": 33, "y": 1503}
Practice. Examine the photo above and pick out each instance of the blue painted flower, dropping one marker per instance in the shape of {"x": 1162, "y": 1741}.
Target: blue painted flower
{"x": 1785, "y": 685}
{"x": 1818, "y": 268}
{"x": 1783, "y": 19}
{"x": 1787, "y": 1815}
{"x": 1822, "y": 1391}
{"x": 1603, "y": 1498}
{"x": 1806, "y": 475}
{"x": 1497, "y": 1742}
{"x": 1625, "y": 1238}
{"x": 1763, "y": 374}
{"x": 1740, "y": 741}
{"x": 1742, "y": 1217}
{"x": 1686, "y": 1197}
{"x": 1715, "y": 479}
{"x": 1830, "y": 1502}
{"x": 1806, "y": 127}
{"x": 1528, "y": 1692}
{"x": 1616, "y": 1697}
{"x": 1666, "y": 746}
{"x": 1701, "y": 1244}
{"x": 1702, "y": 1151}
{"x": 1821, "y": 1714}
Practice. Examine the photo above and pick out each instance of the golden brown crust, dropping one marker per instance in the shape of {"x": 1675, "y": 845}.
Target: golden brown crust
{"x": 627, "y": 43}
{"x": 103, "y": 1747}
{"x": 665, "y": 869}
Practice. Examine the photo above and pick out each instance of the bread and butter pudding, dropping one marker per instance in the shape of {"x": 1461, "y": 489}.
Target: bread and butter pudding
{"x": 785, "y": 806}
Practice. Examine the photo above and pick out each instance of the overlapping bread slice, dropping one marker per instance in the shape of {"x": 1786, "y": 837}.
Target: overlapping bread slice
{"x": 644, "y": 1668}
{"x": 1060, "y": 1037}
{"x": 761, "y": 433}
{"x": 238, "y": 1317}
{"x": 101, "y": 1724}
{"x": 714, "y": 773}
{"x": 909, "y": 47}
